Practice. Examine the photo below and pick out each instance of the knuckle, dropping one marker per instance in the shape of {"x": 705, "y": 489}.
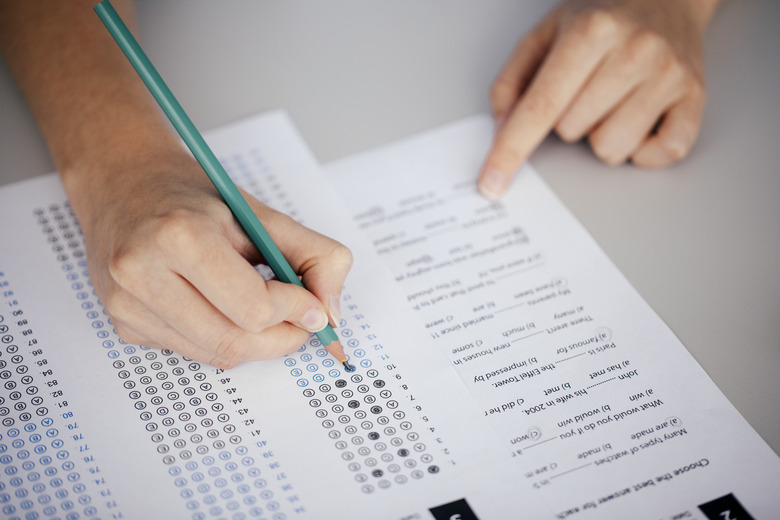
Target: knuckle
{"x": 341, "y": 255}
{"x": 675, "y": 73}
{"x": 597, "y": 24}
{"x": 682, "y": 78}
{"x": 645, "y": 47}
{"x": 336, "y": 258}
{"x": 541, "y": 105}
{"x": 124, "y": 268}
{"x": 177, "y": 230}
{"x": 604, "y": 149}
{"x": 694, "y": 88}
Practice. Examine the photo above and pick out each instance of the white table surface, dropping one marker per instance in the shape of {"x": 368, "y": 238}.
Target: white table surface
{"x": 700, "y": 241}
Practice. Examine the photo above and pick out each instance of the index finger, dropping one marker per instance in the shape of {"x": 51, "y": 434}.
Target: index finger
{"x": 564, "y": 71}
{"x": 322, "y": 263}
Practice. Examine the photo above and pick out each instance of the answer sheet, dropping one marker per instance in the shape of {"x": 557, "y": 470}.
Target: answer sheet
{"x": 505, "y": 368}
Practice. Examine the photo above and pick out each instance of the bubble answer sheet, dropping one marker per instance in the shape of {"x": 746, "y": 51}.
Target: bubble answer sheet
{"x": 506, "y": 369}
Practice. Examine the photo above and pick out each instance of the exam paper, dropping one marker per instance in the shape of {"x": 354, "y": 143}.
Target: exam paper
{"x": 96, "y": 428}
{"x": 466, "y": 320}
{"x": 594, "y": 398}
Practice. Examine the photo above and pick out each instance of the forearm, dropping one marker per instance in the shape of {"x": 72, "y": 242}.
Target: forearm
{"x": 91, "y": 108}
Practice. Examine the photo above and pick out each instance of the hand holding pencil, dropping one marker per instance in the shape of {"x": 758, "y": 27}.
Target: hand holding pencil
{"x": 167, "y": 259}
{"x": 313, "y": 319}
{"x": 180, "y": 272}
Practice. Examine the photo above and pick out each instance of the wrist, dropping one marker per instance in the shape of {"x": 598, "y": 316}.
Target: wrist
{"x": 118, "y": 171}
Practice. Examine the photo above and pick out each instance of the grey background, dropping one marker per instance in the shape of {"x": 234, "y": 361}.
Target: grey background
{"x": 700, "y": 240}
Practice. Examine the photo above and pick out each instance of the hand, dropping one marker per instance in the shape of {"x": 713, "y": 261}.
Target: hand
{"x": 166, "y": 258}
{"x": 628, "y": 74}
{"x": 174, "y": 269}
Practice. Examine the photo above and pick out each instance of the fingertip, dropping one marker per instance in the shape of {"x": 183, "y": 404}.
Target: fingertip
{"x": 493, "y": 183}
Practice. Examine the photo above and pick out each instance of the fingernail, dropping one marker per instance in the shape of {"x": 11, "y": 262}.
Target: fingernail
{"x": 334, "y": 306}
{"x": 493, "y": 184}
{"x": 314, "y": 320}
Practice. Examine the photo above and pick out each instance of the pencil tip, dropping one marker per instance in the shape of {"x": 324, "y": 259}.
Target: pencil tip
{"x": 347, "y": 366}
